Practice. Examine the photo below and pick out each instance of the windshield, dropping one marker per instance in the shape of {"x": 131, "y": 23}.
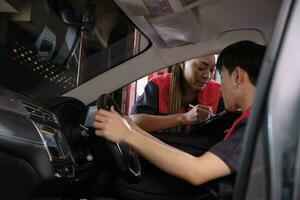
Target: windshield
{"x": 50, "y": 47}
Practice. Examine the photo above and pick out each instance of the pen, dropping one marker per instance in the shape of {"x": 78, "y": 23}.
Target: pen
{"x": 209, "y": 112}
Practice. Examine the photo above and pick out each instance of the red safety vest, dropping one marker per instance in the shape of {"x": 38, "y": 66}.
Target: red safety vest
{"x": 209, "y": 95}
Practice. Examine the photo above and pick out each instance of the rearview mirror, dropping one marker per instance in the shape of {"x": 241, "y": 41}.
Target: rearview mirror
{"x": 72, "y": 17}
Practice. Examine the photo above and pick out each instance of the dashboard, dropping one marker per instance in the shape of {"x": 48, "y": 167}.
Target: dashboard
{"x": 35, "y": 145}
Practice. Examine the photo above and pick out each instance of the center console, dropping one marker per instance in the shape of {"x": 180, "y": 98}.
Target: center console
{"x": 54, "y": 142}
{"x": 33, "y": 134}
{"x": 42, "y": 152}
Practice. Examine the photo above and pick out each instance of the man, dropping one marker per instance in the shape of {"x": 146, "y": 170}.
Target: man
{"x": 239, "y": 65}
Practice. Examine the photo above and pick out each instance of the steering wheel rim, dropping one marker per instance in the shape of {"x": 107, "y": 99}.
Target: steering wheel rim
{"x": 126, "y": 158}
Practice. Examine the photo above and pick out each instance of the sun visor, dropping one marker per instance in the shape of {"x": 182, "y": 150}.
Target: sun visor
{"x": 230, "y": 36}
{"x": 179, "y": 28}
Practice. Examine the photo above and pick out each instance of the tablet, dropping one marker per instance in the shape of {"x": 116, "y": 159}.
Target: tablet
{"x": 218, "y": 123}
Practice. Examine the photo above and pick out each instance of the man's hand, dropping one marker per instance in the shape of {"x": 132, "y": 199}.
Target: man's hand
{"x": 111, "y": 125}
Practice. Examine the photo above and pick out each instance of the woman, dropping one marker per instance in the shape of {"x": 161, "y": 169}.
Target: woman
{"x": 186, "y": 96}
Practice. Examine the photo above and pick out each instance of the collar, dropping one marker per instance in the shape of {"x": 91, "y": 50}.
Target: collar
{"x": 243, "y": 117}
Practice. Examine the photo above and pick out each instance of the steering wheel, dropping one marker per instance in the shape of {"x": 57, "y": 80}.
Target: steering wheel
{"x": 126, "y": 158}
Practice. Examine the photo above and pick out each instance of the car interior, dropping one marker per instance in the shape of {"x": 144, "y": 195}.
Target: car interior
{"x": 62, "y": 60}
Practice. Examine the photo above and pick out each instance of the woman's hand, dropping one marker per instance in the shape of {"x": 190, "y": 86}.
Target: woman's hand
{"x": 197, "y": 114}
{"x": 111, "y": 125}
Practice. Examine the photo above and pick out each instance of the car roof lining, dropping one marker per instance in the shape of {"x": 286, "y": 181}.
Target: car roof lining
{"x": 228, "y": 20}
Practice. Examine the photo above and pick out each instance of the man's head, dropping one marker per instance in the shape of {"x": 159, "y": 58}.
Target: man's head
{"x": 239, "y": 65}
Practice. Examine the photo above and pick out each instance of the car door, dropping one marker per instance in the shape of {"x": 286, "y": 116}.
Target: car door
{"x": 269, "y": 165}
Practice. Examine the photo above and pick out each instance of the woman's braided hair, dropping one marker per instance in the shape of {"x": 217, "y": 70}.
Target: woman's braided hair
{"x": 175, "y": 93}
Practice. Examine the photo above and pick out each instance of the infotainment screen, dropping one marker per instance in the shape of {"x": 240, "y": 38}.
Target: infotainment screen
{"x": 90, "y": 116}
{"x": 49, "y": 135}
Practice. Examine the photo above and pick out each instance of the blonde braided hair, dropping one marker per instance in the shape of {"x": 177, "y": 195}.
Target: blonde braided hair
{"x": 175, "y": 93}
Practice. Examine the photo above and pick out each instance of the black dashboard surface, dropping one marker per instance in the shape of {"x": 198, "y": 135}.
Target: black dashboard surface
{"x": 41, "y": 140}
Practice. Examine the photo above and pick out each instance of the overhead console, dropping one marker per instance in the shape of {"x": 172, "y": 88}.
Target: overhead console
{"x": 172, "y": 19}
{"x": 160, "y": 7}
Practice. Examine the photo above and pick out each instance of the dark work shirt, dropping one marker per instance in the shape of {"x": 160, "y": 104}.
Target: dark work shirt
{"x": 229, "y": 151}
{"x": 148, "y": 102}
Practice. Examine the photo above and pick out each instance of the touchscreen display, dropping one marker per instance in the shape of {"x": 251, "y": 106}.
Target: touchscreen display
{"x": 49, "y": 137}
{"x": 90, "y": 116}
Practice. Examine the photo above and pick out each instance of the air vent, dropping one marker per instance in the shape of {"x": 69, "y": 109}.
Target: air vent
{"x": 50, "y": 117}
{"x": 40, "y": 113}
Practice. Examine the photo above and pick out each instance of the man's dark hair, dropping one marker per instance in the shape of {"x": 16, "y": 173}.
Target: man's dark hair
{"x": 245, "y": 54}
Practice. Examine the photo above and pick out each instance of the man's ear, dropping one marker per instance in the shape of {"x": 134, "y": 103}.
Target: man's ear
{"x": 239, "y": 75}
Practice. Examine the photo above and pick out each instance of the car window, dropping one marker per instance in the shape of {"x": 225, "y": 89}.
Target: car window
{"x": 133, "y": 91}
{"x": 48, "y": 49}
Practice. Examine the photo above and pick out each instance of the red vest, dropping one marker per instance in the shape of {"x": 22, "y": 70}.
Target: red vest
{"x": 209, "y": 95}
{"x": 243, "y": 117}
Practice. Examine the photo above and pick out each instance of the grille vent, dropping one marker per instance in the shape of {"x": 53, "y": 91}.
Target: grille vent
{"x": 40, "y": 113}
